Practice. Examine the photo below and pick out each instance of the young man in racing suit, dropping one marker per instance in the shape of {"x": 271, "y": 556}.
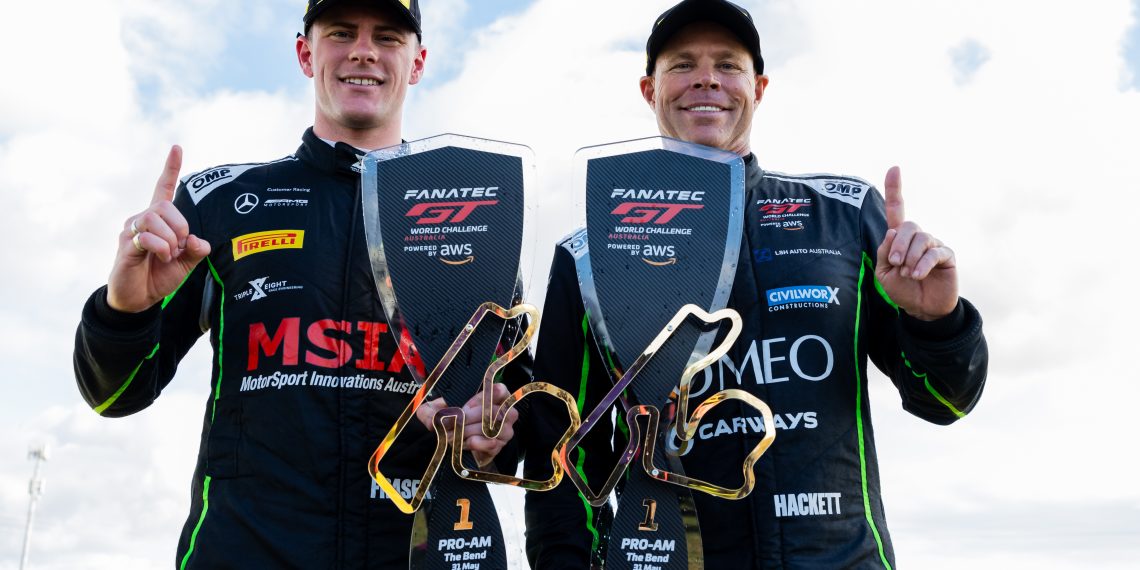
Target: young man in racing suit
{"x": 829, "y": 276}
{"x": 271, "y": 259}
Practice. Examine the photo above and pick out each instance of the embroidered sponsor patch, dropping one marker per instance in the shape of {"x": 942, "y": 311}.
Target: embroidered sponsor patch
{"x": 259, "y": 242}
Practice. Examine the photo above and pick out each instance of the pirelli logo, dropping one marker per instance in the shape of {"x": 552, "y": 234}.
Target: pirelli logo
{"x": 258, "y": 242}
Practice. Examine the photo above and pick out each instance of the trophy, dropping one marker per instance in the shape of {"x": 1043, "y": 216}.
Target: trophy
{"x": 445, "y": 218}
{"x": 664, "y": 221}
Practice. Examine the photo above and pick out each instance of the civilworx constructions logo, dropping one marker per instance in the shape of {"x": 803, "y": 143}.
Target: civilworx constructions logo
{"x": 802, "y": 297}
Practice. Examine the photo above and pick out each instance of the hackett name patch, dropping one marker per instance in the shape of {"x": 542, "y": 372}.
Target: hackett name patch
{"x": 258, "y": 242}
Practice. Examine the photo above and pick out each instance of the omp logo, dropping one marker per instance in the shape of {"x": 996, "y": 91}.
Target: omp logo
{"x": 245, "y": 203}
{"x": 645, "y": 212}
{"x": 450, "y": 212}
{"x": 843, "y": 188}
{"x": 209, "y": 177}
{"x": 818, "y": 294}
{"x": 204, "y": 183}
{"x": 258, "y": 242}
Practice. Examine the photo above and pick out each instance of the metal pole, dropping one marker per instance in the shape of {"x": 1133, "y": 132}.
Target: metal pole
{"x": 35, "y": 489}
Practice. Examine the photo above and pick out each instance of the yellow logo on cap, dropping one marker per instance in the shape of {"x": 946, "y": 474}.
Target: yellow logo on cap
{"x": 407, "y": 4}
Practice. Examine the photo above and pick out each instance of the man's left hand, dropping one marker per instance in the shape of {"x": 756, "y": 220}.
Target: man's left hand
{"x": 915, "y": 269}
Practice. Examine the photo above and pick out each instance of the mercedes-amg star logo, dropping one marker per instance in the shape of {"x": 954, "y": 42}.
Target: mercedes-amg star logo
{"x": 245, "y": 203}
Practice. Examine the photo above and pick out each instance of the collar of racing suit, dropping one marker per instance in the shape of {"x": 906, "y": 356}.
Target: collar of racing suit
{"x": 752, "y": 171}
{"x": 340, "y": 158}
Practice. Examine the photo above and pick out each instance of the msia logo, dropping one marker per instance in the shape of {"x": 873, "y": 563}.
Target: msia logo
{"x": 451, "y": 212}
{"x": 645, "y": 212}
{"x": 327, "y": 344}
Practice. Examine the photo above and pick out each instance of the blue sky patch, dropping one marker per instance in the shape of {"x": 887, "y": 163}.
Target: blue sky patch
{"x": 967, "y": 58}
{"x": 1131, "y": 50}
{"x": 446, "y": 63}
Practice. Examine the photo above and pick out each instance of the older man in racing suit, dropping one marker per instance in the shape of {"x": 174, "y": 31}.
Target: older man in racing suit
{"x": 830, "y": 275}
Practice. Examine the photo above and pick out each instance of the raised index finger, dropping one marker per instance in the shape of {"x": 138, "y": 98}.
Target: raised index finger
{"x": 168, "y": 180}
{"x": 896, "y": 214}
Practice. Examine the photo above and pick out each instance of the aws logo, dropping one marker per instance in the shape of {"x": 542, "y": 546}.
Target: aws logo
{"x": 663, "y": 254}
{"x": 462, "y": 250}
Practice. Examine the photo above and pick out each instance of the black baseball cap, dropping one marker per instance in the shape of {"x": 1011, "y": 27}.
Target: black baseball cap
{"x": 409, "y": 10}
{"x": 722, "y": 12}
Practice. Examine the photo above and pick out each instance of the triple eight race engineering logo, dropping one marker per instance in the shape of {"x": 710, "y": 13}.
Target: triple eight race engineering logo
{"x": 262, "y": 287}
{"x": 647, "y": 212}
{"x": 439, "y": 214}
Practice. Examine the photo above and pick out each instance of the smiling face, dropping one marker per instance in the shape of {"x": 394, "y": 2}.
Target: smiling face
{"x": 704, "y": 88}
{"x": 361, "y": 60}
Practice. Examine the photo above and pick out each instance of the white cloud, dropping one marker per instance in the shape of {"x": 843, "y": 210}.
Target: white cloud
{"x": 1025, "y": 170}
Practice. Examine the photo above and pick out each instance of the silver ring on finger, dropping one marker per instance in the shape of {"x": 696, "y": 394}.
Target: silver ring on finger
{"x": 135, "y": 241}
{"x": 135, "y": 231}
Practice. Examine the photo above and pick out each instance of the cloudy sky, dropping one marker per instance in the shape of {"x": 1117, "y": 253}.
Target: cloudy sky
{"x": 1015, "y": 124}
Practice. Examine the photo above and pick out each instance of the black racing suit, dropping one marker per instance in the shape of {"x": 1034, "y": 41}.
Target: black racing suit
{"x": 306, "y": 377}
{"x": 813, "y": 313}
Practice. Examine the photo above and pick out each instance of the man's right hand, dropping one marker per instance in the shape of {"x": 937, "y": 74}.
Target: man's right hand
{"x": 156, "y": 249}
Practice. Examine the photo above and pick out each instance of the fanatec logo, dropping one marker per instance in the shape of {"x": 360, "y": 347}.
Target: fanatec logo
{"x": 655, "y": 211}
{"x": 466, "y": 200}
{"x": 246, "y": 203}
